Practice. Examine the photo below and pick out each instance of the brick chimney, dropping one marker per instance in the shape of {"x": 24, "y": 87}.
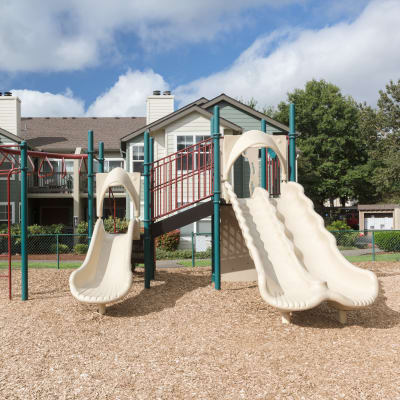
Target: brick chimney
{"x": 159, "y": 105}
{"x": 10, "y": 113}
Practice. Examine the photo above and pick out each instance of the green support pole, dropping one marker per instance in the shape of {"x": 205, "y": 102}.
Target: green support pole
{"x": 212, "y": 220}
{"x": 216, "y": 201}
{"x": 58, "y": 251}
{"x": 292, "y": 144}
{"x": 264, "y": 158}
{"x": 90, "y": 184}
{"x": 193, "y": 251}
{"x": 146, "y": 217}
{"x": 152, "y": 244}
{"x": 373, "y": 245}
{"x": 24, "y": 221}
{"x": 101, "y": 157}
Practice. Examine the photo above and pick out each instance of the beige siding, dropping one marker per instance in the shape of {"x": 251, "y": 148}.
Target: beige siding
{"x": 191, "y": 124}
{"x": 10, "y": 114}
{"x": 158, "y": 107}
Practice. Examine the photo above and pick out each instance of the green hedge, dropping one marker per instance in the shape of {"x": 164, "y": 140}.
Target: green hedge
{"x": 81, "y": 248}
{"x": 181, "y": 254}
{"x": 388, "y": 241}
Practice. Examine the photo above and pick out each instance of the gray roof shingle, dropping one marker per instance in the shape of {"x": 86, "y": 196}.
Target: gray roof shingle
{"x": 65, "y": 134}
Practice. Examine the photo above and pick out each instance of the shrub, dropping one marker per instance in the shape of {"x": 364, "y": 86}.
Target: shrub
{"x": 343, "y": 233}
{"x": 388, "y": 241}
{"x": 169, "y": 241}
{"x": 81, "y": 248}
{"x": 121, "y": 224}
{"x": 62, "y": 248}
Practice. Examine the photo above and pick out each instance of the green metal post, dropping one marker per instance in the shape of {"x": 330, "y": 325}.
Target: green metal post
{"x": 146, "y": 217}
{"x": 212, "y": 220}
{"x": 264, "y": 158}
{"x": 58, "y": 252}
{"x": 373, "y": 245}
{"x": 193, "y": 251}
{"x": 292, "y": 144}
{"x": 216, "y": 201}
{"x": 24, "y": 220}
{"x": 101, "y": 157}
{"x": 152, "y": 244}
{"x": 90, "y": 184}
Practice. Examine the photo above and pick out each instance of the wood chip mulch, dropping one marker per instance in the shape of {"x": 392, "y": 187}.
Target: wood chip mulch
{"x": 184, "y": 340}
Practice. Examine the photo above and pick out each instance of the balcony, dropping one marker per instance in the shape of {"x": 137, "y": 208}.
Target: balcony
{"x": 83, "y": 185}
{"x": 56, "y": 183}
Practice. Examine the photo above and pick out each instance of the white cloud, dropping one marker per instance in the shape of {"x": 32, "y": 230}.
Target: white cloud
{"x": 128, "y": 96}
{"x": 61, "y": 35}
{"x": 360, "y": 57}
{"x": 45, "y": 104}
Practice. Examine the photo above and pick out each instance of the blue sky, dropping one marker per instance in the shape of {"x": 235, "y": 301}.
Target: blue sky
{"x": 86, "y": 57}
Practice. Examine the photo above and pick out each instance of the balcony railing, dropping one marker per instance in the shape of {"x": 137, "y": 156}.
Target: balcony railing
{"x": 56, "y": 183}
{"x": 83, "y": 185}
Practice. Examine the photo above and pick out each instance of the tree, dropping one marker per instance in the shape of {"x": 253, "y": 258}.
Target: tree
{"x": 386, "y": 154}
{"x": 334, "y": 152}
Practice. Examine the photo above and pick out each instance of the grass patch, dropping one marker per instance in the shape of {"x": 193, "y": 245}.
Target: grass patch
{"x": 198, "y": 263}
{"x": 378, "y": 257}
{"x": 347, "y": 248}
{"x": 33, "y": 264}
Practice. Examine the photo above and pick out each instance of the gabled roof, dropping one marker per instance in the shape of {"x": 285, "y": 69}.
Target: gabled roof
{"x": 10, "y": 136}
{"x": 245, "y": 108}
{"x": 65, "y": 134}
{"x": 154, "y": 124}
{"x": 201, "y": 106}
{"x": 182, "y": 112}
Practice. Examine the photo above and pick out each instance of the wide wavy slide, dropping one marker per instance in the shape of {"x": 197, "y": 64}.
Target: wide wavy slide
{"x": 297, "y": 261}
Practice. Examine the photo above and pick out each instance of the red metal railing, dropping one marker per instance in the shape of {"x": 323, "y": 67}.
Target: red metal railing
{"x": 182, "y": 179}
{"x": 273, "y": 176}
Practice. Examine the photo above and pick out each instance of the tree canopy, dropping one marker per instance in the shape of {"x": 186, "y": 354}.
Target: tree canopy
{"x": 334, "y": 152}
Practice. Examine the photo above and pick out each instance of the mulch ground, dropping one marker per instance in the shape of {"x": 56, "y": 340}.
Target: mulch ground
{"x": 184, "y": 340}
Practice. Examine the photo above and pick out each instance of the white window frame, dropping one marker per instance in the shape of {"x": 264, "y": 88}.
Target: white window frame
{"x": 107, "y": 159}
{"x": 12, "y": 204}
{"x": 131, "y": 154}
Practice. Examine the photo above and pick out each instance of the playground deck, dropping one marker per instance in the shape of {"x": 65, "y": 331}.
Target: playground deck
{"x": 184, "y": 340}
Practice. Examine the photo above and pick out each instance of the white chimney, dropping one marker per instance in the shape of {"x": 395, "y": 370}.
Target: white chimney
{"x": 159, "y": 105}
{"x": 10, "y": 113}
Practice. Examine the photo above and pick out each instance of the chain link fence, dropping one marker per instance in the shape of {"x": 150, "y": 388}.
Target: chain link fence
{"x": 51, "y": 250}
{"x": 358, "y": 246}
{"x": 69, "y": 250}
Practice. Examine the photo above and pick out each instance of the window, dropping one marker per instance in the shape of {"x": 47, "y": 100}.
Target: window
{"x": 111, "y": 163}
{"x": 137, "y": 157}
{"x": 185, "y": 162}
{"x": 4, "y": 212}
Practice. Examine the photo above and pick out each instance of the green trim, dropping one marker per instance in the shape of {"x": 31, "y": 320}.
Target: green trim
{"x": 24, "y": 220}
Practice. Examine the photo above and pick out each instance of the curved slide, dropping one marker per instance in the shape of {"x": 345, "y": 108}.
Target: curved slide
{"x": 298, "y": 264}
{"x": 105, "y": 276}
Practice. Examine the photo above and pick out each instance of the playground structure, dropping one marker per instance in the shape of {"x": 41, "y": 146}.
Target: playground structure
{"x": 185, "y": 186}
{"x": 25, "y": 162}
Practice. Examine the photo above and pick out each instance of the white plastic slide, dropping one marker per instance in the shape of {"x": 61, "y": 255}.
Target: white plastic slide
{"x": 296, "y": 258}
{"x": 105, "y": 276}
